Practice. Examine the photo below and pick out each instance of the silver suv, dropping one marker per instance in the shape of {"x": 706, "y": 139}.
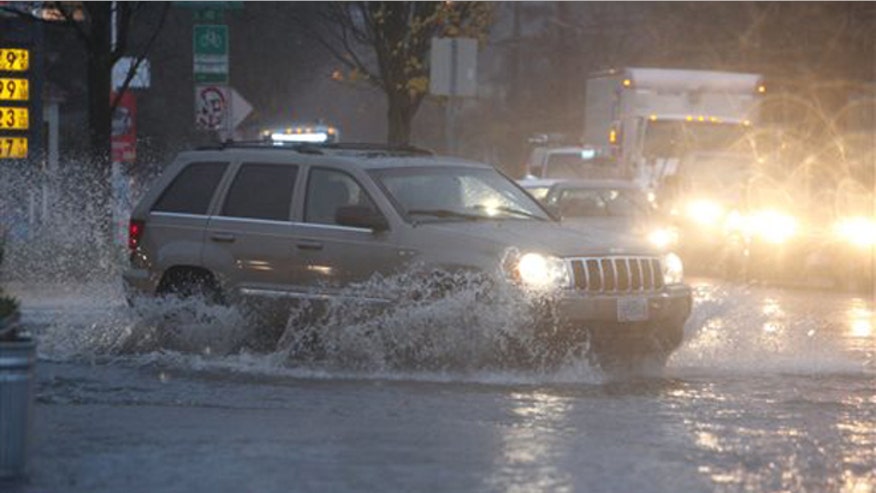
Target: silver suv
{"x": 307, "y": 222}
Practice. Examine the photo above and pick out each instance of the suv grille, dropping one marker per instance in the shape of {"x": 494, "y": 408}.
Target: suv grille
{"x": 617, "y": 274}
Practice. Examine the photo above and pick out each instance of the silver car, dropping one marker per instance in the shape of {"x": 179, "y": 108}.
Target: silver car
{"x": 611, "y": 206}
{"x": 309, "y": 222}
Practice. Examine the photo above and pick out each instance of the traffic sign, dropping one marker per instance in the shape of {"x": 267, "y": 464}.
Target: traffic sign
{"x": 211, "y": 106}
{"x": 210, "y": 47}
{"x": 219, "y": 107}
{"x": 453, "y": 67}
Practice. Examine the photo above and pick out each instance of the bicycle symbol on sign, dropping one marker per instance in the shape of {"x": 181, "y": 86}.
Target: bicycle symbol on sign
{"x": 211, "y": 39}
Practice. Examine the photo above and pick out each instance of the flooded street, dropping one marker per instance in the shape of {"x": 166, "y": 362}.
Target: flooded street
{"x": 773, "y": 390}
{"x": 271, "y": 247}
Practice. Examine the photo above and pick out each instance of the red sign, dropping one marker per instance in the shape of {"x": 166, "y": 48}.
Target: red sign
{"x": 124, "y": 129}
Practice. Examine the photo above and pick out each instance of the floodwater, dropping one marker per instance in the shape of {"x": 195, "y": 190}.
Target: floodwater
{"x": 773, "y": 390}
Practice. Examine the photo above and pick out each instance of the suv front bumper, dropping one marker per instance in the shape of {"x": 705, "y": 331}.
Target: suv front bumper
{"x": 670, "y": 303}
{"x": 622, "y": 325}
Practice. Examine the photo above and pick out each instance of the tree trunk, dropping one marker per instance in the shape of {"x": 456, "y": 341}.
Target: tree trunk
{"x": 99, "y": 118}
{"x": 400, "y": 115}
{"x": 99, "y": 83}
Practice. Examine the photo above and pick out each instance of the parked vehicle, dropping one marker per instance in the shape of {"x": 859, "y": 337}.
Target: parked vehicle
{"x": 314, "y": 222}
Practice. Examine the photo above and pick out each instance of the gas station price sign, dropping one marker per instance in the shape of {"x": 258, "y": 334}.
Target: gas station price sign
{"x": 15, "y": 103}
{"x": 14, "y": 59}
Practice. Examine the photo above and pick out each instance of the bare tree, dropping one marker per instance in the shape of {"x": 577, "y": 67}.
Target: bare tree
{"x": 103, "y": 29}
{"x": 397, "y": 38}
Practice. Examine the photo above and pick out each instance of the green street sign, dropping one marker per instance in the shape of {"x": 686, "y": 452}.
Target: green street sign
{"x": 209, "y": 15}
{"x": 211, "y": 39}
{"x": 208, "y": 78}
{"x": 210, "y": 53}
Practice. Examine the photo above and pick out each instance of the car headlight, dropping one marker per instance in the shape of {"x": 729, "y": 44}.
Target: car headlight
{"x": 673, "y": 269}
{"x": 663, "y": 238}
{"x": 859, "y": 231}
{"x": 538, "y": 271}
{"x": 773, "y": 227}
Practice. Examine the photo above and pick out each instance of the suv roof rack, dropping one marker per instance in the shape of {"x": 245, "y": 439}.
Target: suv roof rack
{"x": 379, "y": 149}
{"x": 305, "y": 148}
{"x": 368, "y": 149}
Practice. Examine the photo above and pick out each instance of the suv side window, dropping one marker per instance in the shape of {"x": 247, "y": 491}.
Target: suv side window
{"x": 191, "y": 191}
{"x": 327, "y": 190}
{"x": 261, "y": 191}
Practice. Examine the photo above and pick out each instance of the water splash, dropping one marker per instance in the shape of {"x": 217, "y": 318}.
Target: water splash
{"x": 459, "y": 322}
{"x": 739, "y": 329}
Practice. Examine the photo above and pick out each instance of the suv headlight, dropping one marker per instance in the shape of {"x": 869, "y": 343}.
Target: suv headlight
{"x": 538, "y": 271}
{"x": 673, "y": 269}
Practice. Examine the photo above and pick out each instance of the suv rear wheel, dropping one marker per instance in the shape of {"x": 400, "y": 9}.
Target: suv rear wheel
{"x": 190, "y": 282}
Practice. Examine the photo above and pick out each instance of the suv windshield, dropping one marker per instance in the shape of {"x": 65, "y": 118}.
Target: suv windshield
{"x": 457, "y": 193}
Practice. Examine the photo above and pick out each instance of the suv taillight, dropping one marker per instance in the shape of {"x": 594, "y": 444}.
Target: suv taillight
{"x": 135, "y": 232}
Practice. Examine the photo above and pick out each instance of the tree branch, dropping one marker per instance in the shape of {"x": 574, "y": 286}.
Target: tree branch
{"x": 132, "y": 70}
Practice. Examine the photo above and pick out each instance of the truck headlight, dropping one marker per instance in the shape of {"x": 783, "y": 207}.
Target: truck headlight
{"x": 538, "y": 271}
{"x": 773, "y": 227}
{"x": 859, "y": 231}
{"x": 673, "y": 269}
{"x": 704, "y": 212}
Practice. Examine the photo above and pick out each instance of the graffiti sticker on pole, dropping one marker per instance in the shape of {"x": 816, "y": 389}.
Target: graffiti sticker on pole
{"x": 211, "y": 107}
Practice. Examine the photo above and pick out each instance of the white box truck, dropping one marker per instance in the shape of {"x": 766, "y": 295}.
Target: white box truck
{"x": 686, "y": 136}
{"x": 658, "y": 120}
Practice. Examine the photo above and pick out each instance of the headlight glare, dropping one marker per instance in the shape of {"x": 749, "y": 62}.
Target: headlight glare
{"x": 773, "y": 227}
{"x": 704, "y": 212}
{"x": 673, "y": 269}
{"x": 859, "y": 231}
{"x": 663, "y": 238}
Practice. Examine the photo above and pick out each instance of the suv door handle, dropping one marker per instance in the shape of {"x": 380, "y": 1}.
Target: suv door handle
{"x": 223, "y": 237}
{"x": 309, "y": 245}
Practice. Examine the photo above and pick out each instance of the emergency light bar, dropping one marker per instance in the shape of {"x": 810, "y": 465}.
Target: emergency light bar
{"x": 313, "y": 134}
{"x": 302, "y": 137}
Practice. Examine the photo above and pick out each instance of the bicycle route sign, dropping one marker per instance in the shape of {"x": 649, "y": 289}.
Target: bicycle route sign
{"x": 210, "y": 47}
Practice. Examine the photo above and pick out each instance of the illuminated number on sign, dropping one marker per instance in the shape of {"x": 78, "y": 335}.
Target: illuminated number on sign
{"x": 13, "y": 147}
{"x": 14, "y": 118}
{"x": 14, "y": 59}
{"x": 14, "y": 89}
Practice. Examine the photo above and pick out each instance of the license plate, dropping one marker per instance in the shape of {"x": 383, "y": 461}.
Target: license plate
{"x": 632, "y": 309}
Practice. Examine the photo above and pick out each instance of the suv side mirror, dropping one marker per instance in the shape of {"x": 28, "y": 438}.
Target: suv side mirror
{"x": 359, "y": 216}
